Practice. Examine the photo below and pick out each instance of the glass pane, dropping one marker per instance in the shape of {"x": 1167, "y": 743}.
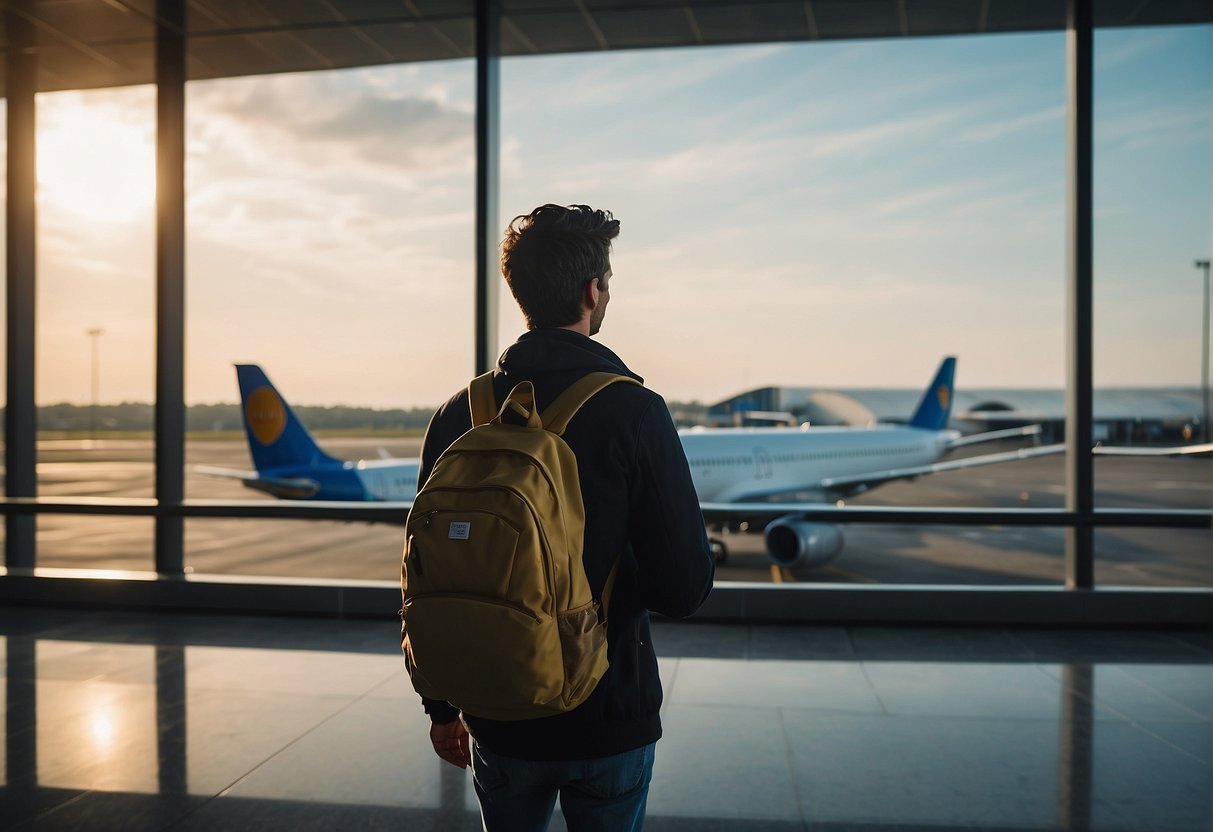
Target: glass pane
{"x": 96, "y": 291}
{"x": 1153, "y": 151}
{"x": 910, "y": 554}
{"x": 821, "y": 224}
{"x": 1154, "y": 557}
{"x": 68, "y": 541}
{"x": 294, "y": 548}
{"x": 331, "y": 244}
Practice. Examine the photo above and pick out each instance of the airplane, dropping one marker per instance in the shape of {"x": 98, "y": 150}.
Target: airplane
{"x": 291, "y": 466}
{"x": 740, "y": 474}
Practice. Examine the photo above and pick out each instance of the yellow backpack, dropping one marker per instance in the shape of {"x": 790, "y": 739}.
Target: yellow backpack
{"x": 498, "y": 617}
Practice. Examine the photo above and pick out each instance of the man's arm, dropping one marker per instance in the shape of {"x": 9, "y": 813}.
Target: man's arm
{"x": 667, "y": 530}
{"x": 444, "y": 428}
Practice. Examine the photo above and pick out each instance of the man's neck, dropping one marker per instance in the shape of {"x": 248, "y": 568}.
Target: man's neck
{"x": 582, "y": 327}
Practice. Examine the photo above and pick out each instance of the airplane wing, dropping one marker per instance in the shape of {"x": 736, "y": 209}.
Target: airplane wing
{"x": 229, "y": 473}
{"x": 745, "y": 506}
{"x": 294, "y": 488}
{"x": 1183, "y": 450}
{"x": 994, "y": 436}
{"x": 878, "y": 477}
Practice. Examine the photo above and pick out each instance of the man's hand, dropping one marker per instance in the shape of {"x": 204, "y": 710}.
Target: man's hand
{"x": 451, "y": 743}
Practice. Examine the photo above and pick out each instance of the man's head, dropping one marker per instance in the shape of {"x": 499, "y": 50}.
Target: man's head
{"x": 557, "y": 262}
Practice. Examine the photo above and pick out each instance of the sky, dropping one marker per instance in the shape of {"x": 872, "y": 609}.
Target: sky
{"x": 836, "y": 214}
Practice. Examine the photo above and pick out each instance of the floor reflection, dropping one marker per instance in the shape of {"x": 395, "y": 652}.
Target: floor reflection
{"x": 179, "y": 722}
{"x": 1074, "y": 758}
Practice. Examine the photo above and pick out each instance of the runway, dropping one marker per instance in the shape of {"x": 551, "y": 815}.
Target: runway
{"x": 873, "y": 553}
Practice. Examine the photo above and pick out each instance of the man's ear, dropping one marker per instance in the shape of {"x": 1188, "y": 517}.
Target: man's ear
{"x": 589, "y": 295}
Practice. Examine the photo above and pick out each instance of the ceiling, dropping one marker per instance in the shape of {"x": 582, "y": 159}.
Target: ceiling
{"x": 100, "y": 43}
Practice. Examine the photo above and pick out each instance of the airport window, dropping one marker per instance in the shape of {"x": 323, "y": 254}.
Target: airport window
{"x": 330, "y": 246}
{"x": 840, "y": 214}
{"x": 95, "y": 314}
{"x": 1153, "y": 135}
{"x": 910, "y": 221}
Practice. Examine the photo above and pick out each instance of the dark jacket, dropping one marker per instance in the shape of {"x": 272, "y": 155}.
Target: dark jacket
{"x": 639, "y": 504}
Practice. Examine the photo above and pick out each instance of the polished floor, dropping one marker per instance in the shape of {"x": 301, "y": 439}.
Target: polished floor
{"x": 130, "y": 721}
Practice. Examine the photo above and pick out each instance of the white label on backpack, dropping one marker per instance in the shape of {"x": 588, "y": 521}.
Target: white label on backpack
{"x": 459, "y": 531}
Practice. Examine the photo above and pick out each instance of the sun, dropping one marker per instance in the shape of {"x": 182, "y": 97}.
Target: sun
{"x": 96, "y": 154}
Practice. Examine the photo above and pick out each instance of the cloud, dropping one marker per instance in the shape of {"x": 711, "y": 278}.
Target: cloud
{"x": 634, "y": 77}
{"x": 355, "y": 126}
{"x": 410, "y": 132}
{"x": 1142, "y": 43}
{"x": 874, "y": 138}
{"x": 1139, "y": 125}
{"x": 1000, "y": 129}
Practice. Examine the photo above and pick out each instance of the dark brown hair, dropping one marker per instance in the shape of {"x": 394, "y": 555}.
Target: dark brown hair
{"x": 548, "y": 256}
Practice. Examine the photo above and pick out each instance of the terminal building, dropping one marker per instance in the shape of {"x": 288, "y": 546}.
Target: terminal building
{"x": 1144, "y": 416}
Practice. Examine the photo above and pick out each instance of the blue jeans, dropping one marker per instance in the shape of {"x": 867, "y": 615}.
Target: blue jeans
{"x": 606, "y": 794}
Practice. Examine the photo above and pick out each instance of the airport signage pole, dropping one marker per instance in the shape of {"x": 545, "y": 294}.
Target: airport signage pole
{"x": 170, "y": 285}
{"x": 94, "y": 335}
{"x": 1080, "y": 479}
{"x": 1204, "y": 358}
{"x": 21, "y": 415}
{"x": 488, "y": 145}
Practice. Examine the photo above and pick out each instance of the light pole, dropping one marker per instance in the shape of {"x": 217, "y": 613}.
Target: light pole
{"x": 1204, "y": 357}
{"x": 95, "y": 335}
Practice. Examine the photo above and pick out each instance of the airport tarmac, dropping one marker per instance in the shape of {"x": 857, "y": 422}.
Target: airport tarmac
{"x": 874, "y": 553}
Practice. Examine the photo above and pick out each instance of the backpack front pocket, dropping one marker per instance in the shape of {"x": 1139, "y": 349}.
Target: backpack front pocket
{"x": 520, "y": 666}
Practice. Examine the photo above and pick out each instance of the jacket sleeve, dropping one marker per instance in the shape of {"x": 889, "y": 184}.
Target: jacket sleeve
{"x": 674, "y": 560}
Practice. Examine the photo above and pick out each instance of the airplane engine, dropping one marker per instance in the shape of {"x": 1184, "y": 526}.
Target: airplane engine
{"x": 795, "y": 542}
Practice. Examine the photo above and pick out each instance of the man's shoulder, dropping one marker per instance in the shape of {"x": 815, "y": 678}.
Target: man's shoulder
{"x": 453, "y": 414}
{"x": 634, "y": 394}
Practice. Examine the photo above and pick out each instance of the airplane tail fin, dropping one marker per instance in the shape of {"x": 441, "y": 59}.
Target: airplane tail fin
{"x": 935, "y": 408}
{"x": 276, "y": 438}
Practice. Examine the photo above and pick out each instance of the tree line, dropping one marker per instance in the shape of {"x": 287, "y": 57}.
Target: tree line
{"x": 201, "y": 418}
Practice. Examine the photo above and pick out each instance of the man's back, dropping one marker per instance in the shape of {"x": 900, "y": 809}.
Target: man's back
{"x": 639, "y": 505}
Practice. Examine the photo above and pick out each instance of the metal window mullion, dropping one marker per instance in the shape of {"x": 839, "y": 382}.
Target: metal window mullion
{"x": 1080, "y": 486}
{"x": 170, "y": 285}
{"x": 488, "y": 122}
{"x": 21, "y": 415}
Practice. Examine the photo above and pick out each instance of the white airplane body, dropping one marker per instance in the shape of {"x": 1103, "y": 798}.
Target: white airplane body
{"x": 738, "y": 473}
{"x": 733, "y": 464}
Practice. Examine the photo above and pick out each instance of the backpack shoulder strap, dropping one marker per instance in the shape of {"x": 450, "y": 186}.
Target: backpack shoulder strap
{"x": 556, "y": 417}
{"x": 481, "y": 400}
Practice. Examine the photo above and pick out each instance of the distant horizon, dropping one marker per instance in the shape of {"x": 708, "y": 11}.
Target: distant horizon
{"x": 1193, "y": 389}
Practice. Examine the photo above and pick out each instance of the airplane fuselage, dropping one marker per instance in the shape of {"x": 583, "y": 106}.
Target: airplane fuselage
{"x": 730, "y": 464}
{"x": 726, "y": 463}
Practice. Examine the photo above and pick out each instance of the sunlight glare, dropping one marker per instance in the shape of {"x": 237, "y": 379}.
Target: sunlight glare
{"x": 96, "y": 154}
{"x": 102, "y": 723}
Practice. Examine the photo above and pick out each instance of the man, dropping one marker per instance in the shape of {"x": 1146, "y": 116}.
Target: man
{"x": 640, "y": 506}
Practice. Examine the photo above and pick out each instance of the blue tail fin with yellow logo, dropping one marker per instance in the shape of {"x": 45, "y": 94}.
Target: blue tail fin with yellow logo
{"x": 276, "y": 438}
{"x": 935, "y": 409}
